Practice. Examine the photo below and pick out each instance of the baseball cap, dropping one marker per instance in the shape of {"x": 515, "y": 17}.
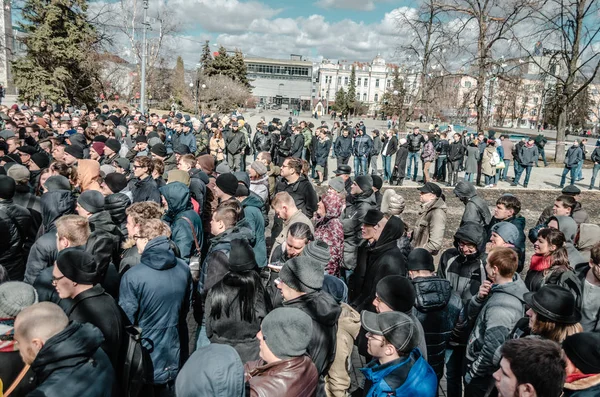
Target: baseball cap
{"x": 431, "y": 187}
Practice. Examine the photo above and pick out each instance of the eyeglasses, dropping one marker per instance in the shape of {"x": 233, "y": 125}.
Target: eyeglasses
{"x": 370, "y": 335}
{"x": 137, "y": 166}
{"x": 57, "y": 279}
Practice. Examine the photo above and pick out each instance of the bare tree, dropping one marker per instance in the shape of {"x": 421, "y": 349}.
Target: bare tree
{"x": 505, "y": 101}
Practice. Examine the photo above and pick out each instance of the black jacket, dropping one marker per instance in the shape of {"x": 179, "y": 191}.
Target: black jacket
{"x": 21, "y": 236}
{"x": 103, "y": 228}
{"x": 401, "y": 156}
{"x": 235, "y": 142}
{"x": 414, "y": 142}
{"x": 476, "y": 208}
{"x": 144, "y": 190}
{"x": 262, "y": 142}
{"x": 375, "y": 262}
{"x": 96, "y": 307}
{"x": 116, "y": 204}
{"x": 343, "y": 146}
{"x": 302, "y": 192}
{"x": 456, "y": 151}
{"x": 72, "y": 364}
{"x": 392, "y": 147}
{"x": 321, "y": 151}
{"x": 297, "y": 145}
{"x": 442, "y": 147}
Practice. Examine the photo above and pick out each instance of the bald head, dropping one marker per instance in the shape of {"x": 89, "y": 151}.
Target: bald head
{"x": 40, "y": 322}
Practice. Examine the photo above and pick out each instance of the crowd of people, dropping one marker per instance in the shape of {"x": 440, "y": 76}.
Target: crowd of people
{"x": 170, "y": 255}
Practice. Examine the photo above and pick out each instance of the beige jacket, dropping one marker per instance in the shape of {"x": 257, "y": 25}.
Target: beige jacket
{"x": 430, "y": 226}
{"x": 217, "y": 149}
{"x": 337, "y": 381}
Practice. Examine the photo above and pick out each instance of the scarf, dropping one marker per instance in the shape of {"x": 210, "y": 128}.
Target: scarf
{"x": 7, "y": 335}
{"x": 540, "y": 262}
{"x": 575, "y": 377}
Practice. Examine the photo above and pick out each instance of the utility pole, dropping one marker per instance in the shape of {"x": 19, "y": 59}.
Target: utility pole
{"x": 144, "y": 55}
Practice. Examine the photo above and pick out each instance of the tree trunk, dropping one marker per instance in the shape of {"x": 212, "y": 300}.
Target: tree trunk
{"x": 559, "y": 153}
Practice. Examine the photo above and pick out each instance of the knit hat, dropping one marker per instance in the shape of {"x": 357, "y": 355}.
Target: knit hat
{"x": 116, "y": 182}
{"x": 40, "y": 159}
{"x": 337, "y": 184}
{"x": 420, "y": 259}
{"x": 583, "y": 350}
{"x": 123, "y": 163}
{"x": 377, "y": 181}
{"x": 287, "y": 332}
{"x": 141, "y": 139}
{"x": 7, "y": 187}
{"x": 228, "y": 183}
{"x": 98, "y": 147}
{"x": 396, "y": 327}
{"x": 113, "y": 145}
{"x": 302, "y": 274}
{"x": 336, "y": 288}
{"x": 106, "y": 169}
{"x": 159, "y": 150}
{"x": 57, "y": 182}
{"x": 372, "y": 217}
{"x": 91, "y": 201}
{"x": 241, "y": 256}
{"x": 77, "y": 265}
{"x": 397, "y": 292}
{"x": 507, "y": 231}
{"x": 75, "y": 151}
{"x": 259, "y": 167}
{"x": 182, "y": 149}
{"x": 223, "y": 168}
{"x": 16, "y": 296}
{"x": 319, "y": 251}
{"x": 364, "y": 182}
{"x": 19, "y": 173}
{"x": 178, "y": 176}
{"x": 392, "y": 203}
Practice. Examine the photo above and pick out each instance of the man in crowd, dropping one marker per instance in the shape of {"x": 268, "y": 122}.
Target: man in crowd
{"x": 431, "y": 223}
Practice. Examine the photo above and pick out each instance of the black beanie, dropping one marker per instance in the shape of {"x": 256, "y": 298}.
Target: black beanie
{"x": 159, "y": 149}
{"x": 377, "y": 181}
{"x": 57, "y": 182}
{"x": 41, "y": 160}
{"x": 364, "y": 182}
{"x": 397, "y": 292}
{"x": 75, "y": 151}
{"x": 92, "y": 201}
{"x": 116, "y": 182}
{"x": 241, "y": 256}
{"x": 7, "y": 187}
{"x": 228, "y": 183}
{"x": 420, "y": 259}
{"x": 113, "y": 145}
{"x": 78, "y": 266}
{"x": 583, "y": 350}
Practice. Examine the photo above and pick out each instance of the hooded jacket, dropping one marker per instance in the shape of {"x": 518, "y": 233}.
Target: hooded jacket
{"x": 88, "y": 172}
{"x": 71, "y": 364}
{"x": 573, "y": 156}
{"x": 144, "y": 190}
{"x": 324, "y": 312}
{"x": 343, "y": 146}
{"x": 383, "y": 258}
{"x": 496, "y": 317}
{"x": 476, "y": 208}
{"x": 294, "y": 377}
{"x": 437, "y": 307}
{"x": 589, "y": 235}
{"x": 177, "y": 196}
{"x": 568, "y": 226}
{"x": 252, "y": 206}
{"x": 430, "y": 226}
{"x": 21, "y": 236}
{"x": 330, "y": 230}
{"x": 352, "y": 221}
{"x": 584, "y": 387}
{"x": 116, "y": 204}
{"x": 337, "y": 381}
{"x": 155, "y": 295}
{"x": 44, "y": 251}
{"x": 261, "y": 188}
{"x": 303, "y": 193}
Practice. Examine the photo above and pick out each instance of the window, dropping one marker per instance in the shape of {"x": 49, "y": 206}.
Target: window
{"x": 366, "y": 82}
{"x": 376, "y": 97}
{"x": 389, "y": 83}
{"x": 345, "y": 80}
{"x": 339, "y": 81}
{"x": 358, "y": 97}
{"x": 358, "y": 81}
{"x": 533, "y": 112}
{"x": 376, "y": 84}
{"x": 364, "y": 97}
{"x": 535, "y": 100}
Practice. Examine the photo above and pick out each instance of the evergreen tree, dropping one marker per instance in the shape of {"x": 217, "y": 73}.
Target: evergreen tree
{"x": 179, "y": 87}
{"x": 341, "y": 104}
{"x": 351, "y": 97}
{"x": 220, "y": 65}
{"x": 393, "y": 104}
{"x": 241, "y": 73}
{"x": 206, "y": 57}
{"x": 60, "y": 62}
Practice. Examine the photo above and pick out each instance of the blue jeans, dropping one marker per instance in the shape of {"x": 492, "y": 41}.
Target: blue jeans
{"x": 413, "y": 156}
{"x": 440, "y": 171}
{"x": 572, "y": 171}
{"x": 469, "y": 176}
{"x": 505, "y": 171}
{"x": 527, "y": 169}
{"x": 387, "y": 167}
{"x": 594, "y": 173}
{"x": 578, "y": 174}
{"x": 543, "y": 154}
{"x": 360, "y": 165}
{"x": 489, "y": 180}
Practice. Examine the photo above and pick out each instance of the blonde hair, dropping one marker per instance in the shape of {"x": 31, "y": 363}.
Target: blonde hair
{"x": 74, "y": 228}
{"x": 153, "y": 228}
{"x": 556, "y": 332}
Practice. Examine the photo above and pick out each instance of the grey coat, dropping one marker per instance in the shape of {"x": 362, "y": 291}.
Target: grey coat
{"x": 472, "y": 157}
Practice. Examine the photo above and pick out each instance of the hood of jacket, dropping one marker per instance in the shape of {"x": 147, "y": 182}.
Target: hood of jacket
{"x": 365, "y": 197}
{"x": 470, "y": 232}
{"x": 78, "y": 140}
{"x": 158, "y": 254}
{"x": 116, "y": 204}
{"x": 589, "y": 235}
{"x": 433, "y": 293}
{"x": 88, "y": 172}
{"x": 54, "y": 205}
{"x": 320, "y": 306}
{"x": 392, "y": 231}
{"x": 515, "y": 288}
{"x": 178, "y": 198}
{"x": 349, "y": 320}
{"x": 102, "y": 221}
{"x": 70, "y": 347}
{"x": 199, "y": 174}
{"x": 567, "y": 225}
{"x": 465, "y": 190}
{"x": 207, "y": 162}
{"x": 334, "y": 205}
{"x": 253, "y": 201}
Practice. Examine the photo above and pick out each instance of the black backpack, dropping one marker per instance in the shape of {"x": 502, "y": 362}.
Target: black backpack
{"x": 135, "y": 365}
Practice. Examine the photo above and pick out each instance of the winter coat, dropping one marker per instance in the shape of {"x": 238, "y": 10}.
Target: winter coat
{"x": 375, "y": 262}
{"x": 252, "y": 206}
{"x": 44, "y": 251}
{"x": 293, "y": 377}
{"x": 96, "y": 307}
{"x": 25, "y": 198}
{"x": 589, "y": 235}
{"x": 337, "y": 381}
{"x": 401, "y": 156}
{"x": 486, "y": 166}
{"x": 437, "y": 307}
{"x": 230, "y": 328}
{"x": 414, "y": 142}
{"x": 362, "y": 145}
{"x": 324, "y": 312}
{"x": 406, "y": 376}
{"x": 476, "y": 208}
{"x": 144, "y": 190}
{"x": 330, "y": 230}
{"x": 116, "y": 204}
{"x": 430, "y": 226}
{"x": 573, "y": 157}
{"x": 390, "y": 146}
{"x": 352, "y": 222}
{"x": 105, "y": 244}
{"x": 178, "y": 199}
{"x": 377, "y": 146}
{"x": 217, "y": 148}
{"x": 472, "y": 159}
{"x": 260, "y": 187}
{"x": 235, "y": 142}
{"x": 343, "y": 146}
{"x": 263, "y": 142}
{"x": 322, "y": 151}
{"x": 72, "y": 364}
{"x": 584, "y": 387}
{"x": 303, "y": 193}
{"x": 188, "y": 140}
{"x": 456, "y": 151}
{"x": 297, "y": 145}
{"x": 198, "y": 182}
{"x": 428, "y": 153}
{"x": 495, "y": 318}
{"x": 201, "y": 140}
{"x": 528, "y": 155}
{"x": 88, "y": 173}
{"x": 155, "y": 295}
{"x": 595, "y": 157}
{"x": 21, "y": 235}
{"x": 508, "y": 146}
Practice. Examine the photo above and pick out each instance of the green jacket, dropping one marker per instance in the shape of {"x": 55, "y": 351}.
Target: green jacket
{"x": 307, "y": 133}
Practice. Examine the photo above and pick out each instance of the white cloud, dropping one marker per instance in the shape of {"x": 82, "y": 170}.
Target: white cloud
{"x": 361, "y": 5}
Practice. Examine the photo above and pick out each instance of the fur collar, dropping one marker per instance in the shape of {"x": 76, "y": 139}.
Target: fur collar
{"x": 584, "y": 383}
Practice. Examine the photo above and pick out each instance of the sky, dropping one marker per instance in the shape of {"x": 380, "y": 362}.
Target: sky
{"x": 353, "y": 30}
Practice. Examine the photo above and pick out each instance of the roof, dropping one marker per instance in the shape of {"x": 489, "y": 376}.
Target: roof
{"x": 270, "y": 61}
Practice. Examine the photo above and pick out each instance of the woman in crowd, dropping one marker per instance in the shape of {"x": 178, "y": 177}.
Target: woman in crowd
{"x": 328, "y": 228}
{"x": 549, "y": 260}
{"x": 217, "y": 146}
{"x": 488, "y": 167}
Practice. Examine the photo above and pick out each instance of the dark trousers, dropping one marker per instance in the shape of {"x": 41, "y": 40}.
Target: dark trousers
{"x": 481, "y": 387}
{"x": 342, "y": 160}
{"x": 453, "y": 167}
{"x": 164, "y": 390}
{"x": 456, "y": 364}
{"x": 478, "y": 180}
{"x": 440, "y": 168}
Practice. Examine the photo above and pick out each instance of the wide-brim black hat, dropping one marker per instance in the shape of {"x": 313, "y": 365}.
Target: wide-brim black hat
{"x": 555, "y": 303}
{"x": 343, "y": 170}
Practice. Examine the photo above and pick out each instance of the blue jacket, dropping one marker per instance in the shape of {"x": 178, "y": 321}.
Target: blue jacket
{"x": 362, "y": 145}
{"x": 178, "y": 199}
{"x": 404, "y": 377}
{"x": 155, "y": 295}
{"x": 189, "y": 140}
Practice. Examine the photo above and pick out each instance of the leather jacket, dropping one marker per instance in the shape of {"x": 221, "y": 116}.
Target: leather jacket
{"x": 295, "y": 377}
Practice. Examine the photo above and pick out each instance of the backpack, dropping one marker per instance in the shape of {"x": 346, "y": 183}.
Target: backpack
{"x": 495, "y": 160}
{"x": 135, "y": 365}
